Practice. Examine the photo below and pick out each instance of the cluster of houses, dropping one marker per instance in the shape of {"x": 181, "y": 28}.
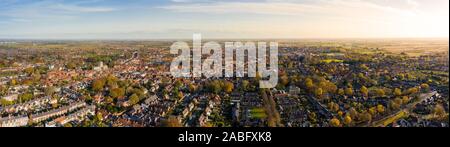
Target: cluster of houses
{"x": 16, "y": 121}
{"x": 20, "y": 121}
{"x": 29, "y": 105}
{"x": 291, "y": 110}
{"x": 150, "y": 112}
{"x": 75, "y": 116}
{"x": 208, "y": 110}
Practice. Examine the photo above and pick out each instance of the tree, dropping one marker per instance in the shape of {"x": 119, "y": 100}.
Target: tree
{"x": 425, "y": 87}
{"x": 380, "y": 92}
{"x": 380, "y": 109}
{"x": 405, "y": 100}
{"x": 134, "y": 99}
{"x": 49, "y": 90}
{"x": 25, "y": 97}
{"x": 228, "y": 87}
{"x": 329, "y": 87}
{"x": 245, "y": 85}
{"x": 215, "y": 87}
{"x": 348, "y": 120}
{"x": 439, "y": 112}
{"x": 5, "y": 102}
{"x": 192, "y": 87}
{"x": 71, "y": 65}
{"x": 349, "y": 91}
{"x": 318, "y": 92}
{"x": 341, "y": 92}
{"x": 29, "y": 70}
{"x": 397, "y": 92}
{"x": 117, "y": 92}
{"x": 13, "y": 82}
{"x": 401, "y": 76}
{"x": 398, "y": 101}
{"x": 333, "y": 107}
{"x": 364, "y": 67}
{"x": 179, "y": 94}
{"x": 413, "y": 90}
{"x": 335, "y": 122}
{"x": 111, "y": 81}
{"x": 309, "y": 84}
{"x": 393, "y": 105}
{"x": 178, "y": 84}
{"x": 366, "y": 116}
{"x": 99, "y": 116}
{"x": 284, "y": 80}
{"x": 171, "y": 121}
{"x": 373, "y": 111}
{"x": 365, "y": 91}
{"x": 353, "y": 113}
{"x": 98, "y": 85}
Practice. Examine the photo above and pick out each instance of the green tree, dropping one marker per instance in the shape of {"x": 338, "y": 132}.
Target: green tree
{"x": 364, "y": 67}
{"x": 49, "y": 90}
{"x": 309, "y": 84}
{"x": 13, "y": 82}
{"x": 365, "y": 91}
{"x": 215, "y": 87}
{"x": 192, "y": 87}
{"x": 380, "y": 109}
{"x": 117, "y": 92}
{"x": 341, "y": 92}
{"x": 412, "y": 90}
{"x": 318, "y": 92}
{"x": 380, "y": 92}
{"x": 25, "y": 97}
{"x": 98, "y": 85}
{"x": 397, "y": 92}
{"x": 228, "y": 87}
{"x": 349, "y": 91}
{"x": 405, "y": 100}
{"x": 178, "y": 84}
{"x": 353, "y": 113}
{"x": 5, "y": 102}
{"x": 29, "y": 70}
{"x": 245, "y": 85}
{"x": 134, "y": 99}
{"x": 71, "y": 65}
{"x": 333, "y": 107}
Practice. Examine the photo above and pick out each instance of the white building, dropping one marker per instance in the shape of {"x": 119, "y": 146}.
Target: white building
{"x": 100, "y": 67}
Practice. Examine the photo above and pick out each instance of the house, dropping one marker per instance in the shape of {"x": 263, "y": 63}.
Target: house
{"x": 294, "y": 90}
{"x": 19, "y": 121}
{"x": 100, "y": 67}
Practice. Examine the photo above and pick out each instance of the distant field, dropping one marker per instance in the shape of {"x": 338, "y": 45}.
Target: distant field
{"x": 412, "y": 47}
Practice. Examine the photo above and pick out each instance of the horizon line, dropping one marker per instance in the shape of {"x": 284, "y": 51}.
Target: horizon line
{"x": 217, "y": 38}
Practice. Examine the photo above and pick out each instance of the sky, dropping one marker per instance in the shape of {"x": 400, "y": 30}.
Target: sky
{"x": 169, "y": 19}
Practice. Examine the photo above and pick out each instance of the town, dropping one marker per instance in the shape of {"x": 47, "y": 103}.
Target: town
{"x": 322, "y": 83}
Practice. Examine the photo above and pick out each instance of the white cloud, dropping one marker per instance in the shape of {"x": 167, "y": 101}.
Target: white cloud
{"x": 340, "y": 8}
{"x": 81, "y": 9}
